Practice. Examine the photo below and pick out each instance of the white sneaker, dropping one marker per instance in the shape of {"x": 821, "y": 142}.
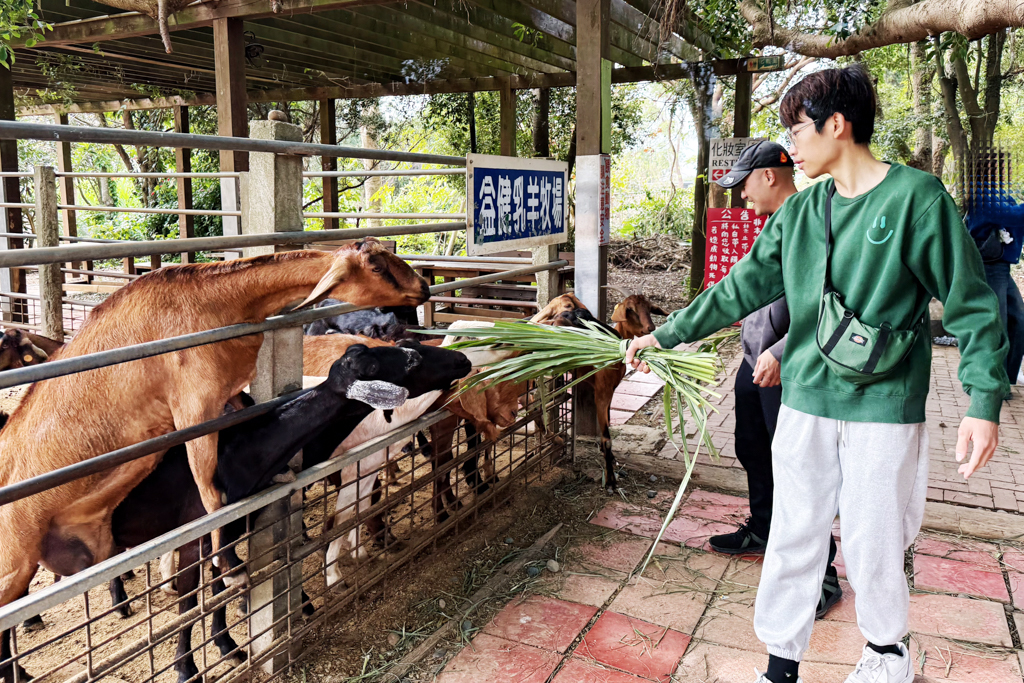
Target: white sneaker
{"x": 878, "y": 668}
{"x": 762, "y": 678}
{"x": 1020, "y": 378}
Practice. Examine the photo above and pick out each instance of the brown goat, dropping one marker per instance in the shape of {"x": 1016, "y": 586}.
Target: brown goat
{"x": 68, "y": 419}
{"x": 19, "y": 348}
{"x": 632, "y": 318}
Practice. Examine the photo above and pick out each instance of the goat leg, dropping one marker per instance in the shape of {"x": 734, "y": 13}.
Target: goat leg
{"x": 377, "y": 527}
{"x": 227, "y": 646}
{"x": 188, "y": 581}
{"x": 119, "y": 598}
{"x": 7, "y": 667}
{"x": 36, "y": 623}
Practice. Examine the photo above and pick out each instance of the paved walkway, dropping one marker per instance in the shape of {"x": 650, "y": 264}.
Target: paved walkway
{"x": 688, "y": 618}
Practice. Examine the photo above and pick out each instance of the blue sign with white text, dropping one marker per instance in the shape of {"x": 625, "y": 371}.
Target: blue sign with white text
{"x": 511, "y": 204}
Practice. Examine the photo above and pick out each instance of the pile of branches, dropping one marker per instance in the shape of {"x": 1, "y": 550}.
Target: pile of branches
{"x": 657, "y": 252}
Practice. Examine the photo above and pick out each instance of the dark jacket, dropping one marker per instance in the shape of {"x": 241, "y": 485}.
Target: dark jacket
{"x": 764, "y": 329}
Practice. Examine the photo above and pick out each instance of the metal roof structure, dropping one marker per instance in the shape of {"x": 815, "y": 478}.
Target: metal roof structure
{"x": 315, "y": 49}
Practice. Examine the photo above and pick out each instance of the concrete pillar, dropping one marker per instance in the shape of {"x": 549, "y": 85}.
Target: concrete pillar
{"x": 593, "y": 141}
{"x": 48, "y": 234}
{"x": 547, "y": 280}
{"x": 593, "y": 136}
{"x": 274, "y": 184}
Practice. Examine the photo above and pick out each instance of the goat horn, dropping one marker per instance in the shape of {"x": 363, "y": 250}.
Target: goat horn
{"x": 624, "y": 293}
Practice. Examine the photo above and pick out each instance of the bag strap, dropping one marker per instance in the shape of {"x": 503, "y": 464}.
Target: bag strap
{"x": 879, "y": 348}
{"x": 828, "y": 237}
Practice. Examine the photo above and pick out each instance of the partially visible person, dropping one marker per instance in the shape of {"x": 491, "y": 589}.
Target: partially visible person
{"x": 996, "y": 222}
{"x": 764, "y": 176}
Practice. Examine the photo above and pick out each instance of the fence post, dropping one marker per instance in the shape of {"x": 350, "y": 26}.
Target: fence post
{"x": 547, "y": 280}
{"x": 51, "y": 280}
{"x": 276, "y": 181}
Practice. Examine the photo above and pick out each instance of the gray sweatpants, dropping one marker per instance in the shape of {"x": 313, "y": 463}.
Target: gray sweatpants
{"x": 876, "y": 476}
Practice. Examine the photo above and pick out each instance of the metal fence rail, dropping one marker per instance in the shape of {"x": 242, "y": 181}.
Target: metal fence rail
{"x": 94, "y": 642}
{"x": 18, "y": 130}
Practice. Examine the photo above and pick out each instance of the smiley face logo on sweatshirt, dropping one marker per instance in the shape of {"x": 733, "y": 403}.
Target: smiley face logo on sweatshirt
{"x": 877, "y": 233}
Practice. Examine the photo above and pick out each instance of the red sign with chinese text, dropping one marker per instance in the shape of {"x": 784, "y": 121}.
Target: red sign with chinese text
{"x": 730, "y": 235}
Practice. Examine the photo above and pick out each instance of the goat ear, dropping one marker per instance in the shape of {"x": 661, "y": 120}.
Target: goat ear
{"x": 619, "y": 314}
{"x": 474, "y": 403}
{"x": 658, "y": 310}
{"x": 335, "y": 275}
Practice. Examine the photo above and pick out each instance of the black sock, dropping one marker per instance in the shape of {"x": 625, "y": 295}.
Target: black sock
{"x": 781, "y": 670}
{"x": 886, "y": 649}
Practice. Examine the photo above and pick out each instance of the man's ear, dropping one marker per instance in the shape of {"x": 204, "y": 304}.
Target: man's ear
{"x": 770, "y": 177}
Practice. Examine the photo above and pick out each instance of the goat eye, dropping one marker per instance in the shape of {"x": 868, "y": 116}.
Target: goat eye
{"x": 377, "y": 269}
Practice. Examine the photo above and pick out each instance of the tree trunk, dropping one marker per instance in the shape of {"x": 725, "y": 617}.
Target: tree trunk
{"x": 701, "y": 109}
{"x": 921, "y": 77}
{"x": 948, "y": 89}
{"x": 902, "y": 22}
{"x": 372, "y": 183}
{"x": 541, "y": 114}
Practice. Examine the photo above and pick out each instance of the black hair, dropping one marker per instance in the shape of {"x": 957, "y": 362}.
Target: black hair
{"x": 847, "y": 91}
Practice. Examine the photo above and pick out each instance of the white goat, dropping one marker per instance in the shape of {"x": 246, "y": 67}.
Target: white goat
{"x": 356, "y": 488}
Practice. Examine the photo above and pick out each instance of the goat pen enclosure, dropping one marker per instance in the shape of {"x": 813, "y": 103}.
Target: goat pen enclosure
{"x": 284, "y": 533}
{"x": 86, "y": 639}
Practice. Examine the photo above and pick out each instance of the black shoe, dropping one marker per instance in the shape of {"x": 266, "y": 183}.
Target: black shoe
{"x": 743, "y": 541}
{"x": 831, "y": 593}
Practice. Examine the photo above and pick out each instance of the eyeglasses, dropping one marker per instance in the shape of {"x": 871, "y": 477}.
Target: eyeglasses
{"x": 791, "y": 133}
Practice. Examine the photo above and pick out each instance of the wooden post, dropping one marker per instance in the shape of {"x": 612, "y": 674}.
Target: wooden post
{"x": 51, "y": 282}
{"x": 66, "y": 186}
{"x": 183, "y": 164}
{"x": 329, "y": 136}
{"x": 741, "y": 121}
{"x": 277, "y": 183}
{"x": 232, "y": 119}
{"x": 11, "y": 279}
{"x": 507, "y": 103}
{"x": 593, "y": 139}
{"x": 471, "y": 114}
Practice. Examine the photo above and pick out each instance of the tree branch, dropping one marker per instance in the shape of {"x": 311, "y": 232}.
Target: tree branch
{"x": 906, "y": 24}
{"x": 774, "y": 97}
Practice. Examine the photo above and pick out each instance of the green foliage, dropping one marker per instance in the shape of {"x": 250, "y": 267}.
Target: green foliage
{"x": 19, "y": 19}
{"x": 653, "y": 213}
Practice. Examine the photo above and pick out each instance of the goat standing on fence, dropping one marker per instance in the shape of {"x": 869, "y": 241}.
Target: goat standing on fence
{"x": 632, "y": 318}
{"x": 68, "y": 419}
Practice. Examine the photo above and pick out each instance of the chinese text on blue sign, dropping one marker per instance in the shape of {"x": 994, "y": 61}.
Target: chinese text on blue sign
{"x": 514, "y": 203}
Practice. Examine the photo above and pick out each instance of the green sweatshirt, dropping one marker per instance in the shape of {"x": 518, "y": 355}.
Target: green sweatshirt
{"x": 894, "y": 247}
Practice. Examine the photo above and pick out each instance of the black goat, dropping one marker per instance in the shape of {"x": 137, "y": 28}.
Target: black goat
{"x": 387, "y": 323}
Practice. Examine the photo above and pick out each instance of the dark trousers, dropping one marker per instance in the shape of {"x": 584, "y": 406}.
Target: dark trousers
{"x": 757, "y": 413}
{"x": 1011, "y": 312}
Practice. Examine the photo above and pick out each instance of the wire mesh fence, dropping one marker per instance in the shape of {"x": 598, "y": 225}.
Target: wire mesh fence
{"x": 309, "y": 547}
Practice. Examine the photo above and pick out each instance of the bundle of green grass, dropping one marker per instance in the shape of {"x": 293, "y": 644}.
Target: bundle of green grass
{"x": 543, "y": 351}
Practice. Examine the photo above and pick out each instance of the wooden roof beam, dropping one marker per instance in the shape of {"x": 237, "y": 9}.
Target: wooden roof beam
{"x": 133, "y": 24}
{"x": 660, "y": 72}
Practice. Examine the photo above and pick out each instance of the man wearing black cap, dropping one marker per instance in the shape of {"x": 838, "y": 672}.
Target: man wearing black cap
{"x": 764, "y": 175}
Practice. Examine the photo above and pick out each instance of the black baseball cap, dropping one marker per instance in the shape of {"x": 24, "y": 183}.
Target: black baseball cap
{"x": 763, "y": 154}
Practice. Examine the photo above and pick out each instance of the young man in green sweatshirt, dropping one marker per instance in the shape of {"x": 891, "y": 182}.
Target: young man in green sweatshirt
{"x": 859, "y": 450}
